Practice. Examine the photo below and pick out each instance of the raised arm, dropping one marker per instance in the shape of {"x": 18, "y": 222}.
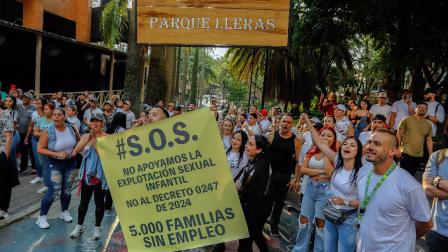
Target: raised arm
{"x": 327, "y": 151}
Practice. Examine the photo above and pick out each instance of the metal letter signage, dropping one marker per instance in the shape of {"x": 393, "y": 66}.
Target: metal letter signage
{"x": 213, "y": 22}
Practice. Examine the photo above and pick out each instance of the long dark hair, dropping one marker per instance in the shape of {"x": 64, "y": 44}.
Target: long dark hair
{"x": 358, "y": 160}
{"x": 14, "y": 100}
{"x": 119, "y": 120}
{"x": 262, "y": 143}
{"x": 243, "y": 144}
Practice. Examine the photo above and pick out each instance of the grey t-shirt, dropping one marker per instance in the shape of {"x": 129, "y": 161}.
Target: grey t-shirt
{"x": 388, "y": 223}
{"x": 24, "y": 117}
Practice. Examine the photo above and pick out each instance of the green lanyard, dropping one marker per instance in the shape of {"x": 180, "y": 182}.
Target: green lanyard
{"x": 367, "y": 198}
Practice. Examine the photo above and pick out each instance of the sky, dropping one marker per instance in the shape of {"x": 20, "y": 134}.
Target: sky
{"x": 219, "y": 51}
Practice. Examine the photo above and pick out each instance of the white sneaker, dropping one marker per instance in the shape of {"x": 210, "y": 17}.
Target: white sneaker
{"x": 65, "y": 216}
{"x": 77, "y": 231}
{"x": 97, "y": 233}
{"x": 42, "y": 222}
{"x": 42, "y": 190}
{"x": 36, "y": 180}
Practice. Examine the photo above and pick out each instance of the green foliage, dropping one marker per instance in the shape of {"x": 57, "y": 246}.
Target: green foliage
{"x": 113, "y": 20}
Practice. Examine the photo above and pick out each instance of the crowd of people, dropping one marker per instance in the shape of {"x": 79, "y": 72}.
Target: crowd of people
{"x": 354, "y": 168}
{"x": 59, "y": 136}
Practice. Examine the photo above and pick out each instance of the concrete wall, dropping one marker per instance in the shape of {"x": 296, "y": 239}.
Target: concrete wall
{"x": 78, "y": 11}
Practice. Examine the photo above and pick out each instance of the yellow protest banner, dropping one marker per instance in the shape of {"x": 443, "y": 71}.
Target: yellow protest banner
{"x": 171, "y": 184}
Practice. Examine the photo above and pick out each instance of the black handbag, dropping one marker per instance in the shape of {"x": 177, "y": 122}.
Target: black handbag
{"x": 336, "y": 215}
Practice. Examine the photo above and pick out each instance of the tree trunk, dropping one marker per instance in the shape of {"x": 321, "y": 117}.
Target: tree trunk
{"x": 170, "y": 73}
{"x": 184, "y": 82}
{"x": 176, "y": 88}
{"x": 194, "y": 79}
{"x": 418, "y": 82}
{"x": 134, "y": 65}
{"x": 265, "y": 76}
{"x": 161, "y": 75}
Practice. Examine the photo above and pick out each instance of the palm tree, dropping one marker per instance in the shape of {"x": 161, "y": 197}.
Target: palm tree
{"x": 114, "y": 19}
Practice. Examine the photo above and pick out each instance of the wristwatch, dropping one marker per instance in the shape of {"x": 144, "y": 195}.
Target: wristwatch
{"x": 347, "y": 202}
{"x": 436, "y": 181}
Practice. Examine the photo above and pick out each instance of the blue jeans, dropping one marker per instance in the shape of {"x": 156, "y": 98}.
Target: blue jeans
{"x": 57, "y": 175}
{"x": 15, "y": 143}
{"x": 314, "y": 200}
{"x": 341, "y": 237}
{"x": 34, "y": 141}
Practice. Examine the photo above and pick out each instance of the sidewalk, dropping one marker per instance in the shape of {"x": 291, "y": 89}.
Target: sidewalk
{"x": 24, "y": 235}
{"x": 24, "y": 199}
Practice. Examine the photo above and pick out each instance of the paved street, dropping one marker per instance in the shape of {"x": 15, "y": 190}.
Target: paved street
{"x": 24, "y": 235}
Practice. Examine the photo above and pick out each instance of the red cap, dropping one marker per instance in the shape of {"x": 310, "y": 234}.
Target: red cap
{"x": 264, "y": 112}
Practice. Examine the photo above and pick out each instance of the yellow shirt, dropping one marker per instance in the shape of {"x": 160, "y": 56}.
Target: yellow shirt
{"x": 414, "y": 134}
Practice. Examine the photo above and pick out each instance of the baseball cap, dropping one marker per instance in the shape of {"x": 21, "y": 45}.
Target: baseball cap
{"x": 108, "y": 102}
{"x": 70, "y": 102}
{"x": 146, "y": 107}
{"x": 93, "y": 99}
{"x": 341, "y": 107}
{"x": 28, "y": 95}
{"x": 264, "y": 112}
{"x": 315, "y": 120}
{"x": 97, "y": 116}
{"x": 382, "y": 95}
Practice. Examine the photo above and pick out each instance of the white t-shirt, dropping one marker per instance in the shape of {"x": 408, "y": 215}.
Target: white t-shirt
{"x": 265, "y": 125}
{"x": 234, "y": 163}
{"x": 341, "y": 186}
{"x": 65, "y": 141}
{"x": 227, "y": 141}
{"x": 432, "y": 106}
{"x": 388, "y": 223}
{"x": 384, "y": 110}
{"x": 306, "y": 146}
{"x": 401, "y": 108}
{"x": 364, "y": 136}
{"x": 255, "y": 129}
